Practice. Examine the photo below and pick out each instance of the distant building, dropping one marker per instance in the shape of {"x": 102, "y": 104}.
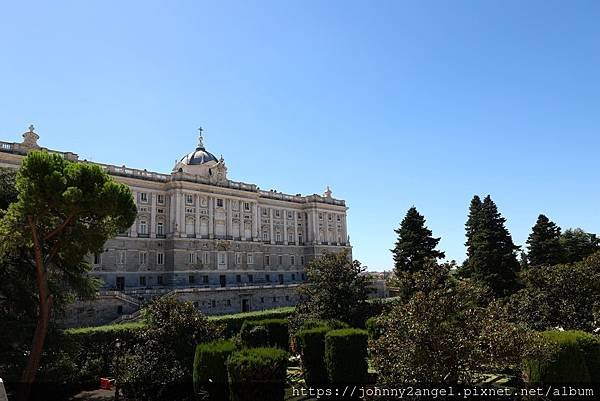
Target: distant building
{"x": 227, "y": 246}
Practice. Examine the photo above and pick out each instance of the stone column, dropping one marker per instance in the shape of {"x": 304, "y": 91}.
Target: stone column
{"x": 211, "y": 217}
{"x": 134, "y": 232}
{"x": 177, "y": 201}
{"x": 153, "y": 215}
{"x": 296, "y": 239}
{"x": 197, "y": 215}
{"x": 171, "y": 198}
{"x": 271, "y": 225}
{"x": 182, "y": 217}
{"x": 316, "y": 225}
{"x": 229, "y": 217}
{"x": 285, "y": 238}
{"x": 255, "y": 234}
{"x": 308, "y": 224}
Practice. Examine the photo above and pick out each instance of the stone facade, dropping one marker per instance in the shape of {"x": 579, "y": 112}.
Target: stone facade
{"x": 227, "y": 246}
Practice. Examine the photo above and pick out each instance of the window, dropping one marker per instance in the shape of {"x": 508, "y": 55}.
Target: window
{"x": 265, "y": 211}
{"x": 292, "y": 260}
{"x": 205, "y": 257}
{"x": 219, "y": 202}
{"x": 268, "y": 260}
{"x": 120, "y": 309}
{"x": 281, "y": 279}
{"x": 191, "y": 279}
{"x": 160, "y": 228}
{"x": 246, "y": 206}
{"x": 300, "y": 237}
{"x": 320, "y": 216}
{"x": 289, "y": 215}
{"x": 339, "y": 218}
{"x": 143, "y": 197}
{"x": 142, "y": 280}
{"x": 222, "y": 258}
{"x": 278, "y": 237}
{"x": 159, "y": 280}
{"x": 329, "y": 217}
{"x": 250, "y": 258}
{"x": 121, "y": 257}
{"x": 280, "y": 260}
{"x": 161, "y": 199}
{"x": 265, "y": 236}
{"x": 290, "y": 237}
{"x": 192, "y": 258}
{"x": 293, "y": 277}
{"x": 143, "y": 227}
{"x": 262, "y": 300}
{"x": 97, "y": 258}
{"x": 214, "y": 303}
{"x": 238, "y": 258}
{"x": 189, "y": 199}
{"x": 302, "y": 260}
{"x": 143, "y": 257}
{"x": 160, "y": 210}
{"x": 238, "y": 278}
{"x": 250, "y": 278}
{"x": 268, "y": 278}
{"x": 274, "y": 299}
{"x": 303, "y": 277}
{"x": 229, "y": 302}
{"x": 160, "y": 258}
{"x": 203, "y": 201}
{"x": 287, "y": 297}
{"x": 205, "y": 279}
{"x": 277, "y": 213}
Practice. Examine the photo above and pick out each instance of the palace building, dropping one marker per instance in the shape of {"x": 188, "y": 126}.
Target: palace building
{"x": 226, "y": 246}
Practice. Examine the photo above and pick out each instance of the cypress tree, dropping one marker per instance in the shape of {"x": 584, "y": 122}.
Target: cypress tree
{"x": 491, "y": 257}
{"x": 415, "y": 245}
{"x": 544, "y": 244}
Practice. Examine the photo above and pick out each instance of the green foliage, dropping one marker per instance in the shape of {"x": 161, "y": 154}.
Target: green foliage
{"x": 578, "y": 245}
{"x": 346, "y": 356}
{"x": 8, "y": 190}
{"x": 311, "y": 346}
{"x": 566, "y": 296}
{"x": 265, "y": 333}
{"x": 415, "y": 246}
{"x": 491, "y": 258}
{"x": 257, "y": 374}
{"x": 232, "y": 324}
{"x": 445, "y": 334}
{"x": 544, "y": 244}
{"x": 160, "y": 366}
{"x": 210, "y": 371}
{"x": 575, "y": 358}
{"x": 374, "y": 328}
{"x": 336, "y": 289}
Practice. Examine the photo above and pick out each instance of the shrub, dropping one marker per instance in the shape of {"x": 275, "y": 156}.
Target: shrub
{"x": 346, "y": 356}
{"x": 267, "y": 332}
{"x": 232, "y": 324}
{"x": 210, "y": 372}
{"x": 257, "y": 374}
{"x": 574, "y": 358}
{"x": 373, "y": 328}
{"x": 311, "y": 346}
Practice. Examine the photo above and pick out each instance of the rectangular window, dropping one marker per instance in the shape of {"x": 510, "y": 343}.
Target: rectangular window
{"x": 292, "y": 260}
{"x": 160, "y": 258}
{"x": 329, "y": 217}
{"x": 265, "y": 211}
{"x": 265, "y": 236}
{"x": 250, "y": 278}
{"x": 246, "y": 206}
{"x": 205, "y": 257}
{"x": 222, "y": 258}
{"x": 121, "y": 257}
{"x": 160, "y": 228}
{"x": 143, "y": 227}
{"x": 191, "y": 279}
{"x": 250, "y": 258}
{"x": 142, "y": 280}
{"x": 262, "y": 300}
{"x": 229, "y": 302}
{"x": 189, "y": 199}
{"x": 293, "y": 277}
{"x": 192, "y": 258}
{"x": 214, "y": 303}
{"x": 339, "y": 218}
{"x": 238, "y": 258}
{"x": 219, "y": 202}
{"x": 302, "y": 260}
{"x": 159, "y": 280}
{"x": 287, "y": 297}
{"x": 290, "y": 237}
{"x": 278, "y": 237}
{"x": 289, "y": 215}
{"x": 267, "y": 260}
{"x": 161, "y": 199}
{"x": 277, "y": 213}
{"x": 280, "y": 260}
{"x": 320, "y": 216}
{"x": 143, "y": 257}
{"x": 160, "y": 210}
{"x": 281, "y": 279}
{"x": 143, "y": 197}
{"x": 238, "y": 278}
{"x": 205, "y": 279}
{"x": 97, "y": 258}
{"x": 268, "y": 278}
{"x": 274, "y": 299}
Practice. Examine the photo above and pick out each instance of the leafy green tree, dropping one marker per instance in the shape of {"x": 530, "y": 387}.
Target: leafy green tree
{"x": 415, "y": 246}
{"x": 544, "y": 244}
{"x": 577, "y": 245}
{"x": 564, "y": 295}
{"x": 8, "y": 191}
{"x": 64, "y": 211}
{"x": 160, "y": 365}
{"x": 335, "y": 289}
{"x": 491, "y": 253}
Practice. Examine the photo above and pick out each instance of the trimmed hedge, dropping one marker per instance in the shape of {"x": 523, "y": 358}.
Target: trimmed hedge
{"x": 233, "y": 323}
{"x": 267, "y": 332}
{"x": 210, "y": 371}
{"x": 373, "y": 328}
{"x": 311, "y": 345}
{"x": 257, "y": 374}
{"x": 346, "y": 356}
{"x": 575, "y": 358}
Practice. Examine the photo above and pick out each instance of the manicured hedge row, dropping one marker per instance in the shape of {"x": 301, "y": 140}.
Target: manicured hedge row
{"x": 257, "y": 374}
{"x": 311, "y": 345}
{"x": 575, "y": 358}
{"x": 233, "y": 323}
{"x": 265, "y": 333}
{"x": 210, "y": 371}
{"x": 346, "y": 356}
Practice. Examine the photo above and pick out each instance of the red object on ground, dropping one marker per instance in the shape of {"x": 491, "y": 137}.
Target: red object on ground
{"x": 106, "y": 383}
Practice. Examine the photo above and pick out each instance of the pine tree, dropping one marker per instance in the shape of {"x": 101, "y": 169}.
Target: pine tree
{"x": 471, "y": 227}
{"x": 544, "y": 244}
{"x": 415, "y": 245}
{"x": 491, "y": 257}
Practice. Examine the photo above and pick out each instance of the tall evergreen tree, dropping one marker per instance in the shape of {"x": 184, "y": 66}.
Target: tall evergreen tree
{"x": 415, "y": 245}
{"x": 491, "y": 257}
{"x": 471, "y": 228}
{"x": 544, "y": 244}
{"x": 577, "y": 244}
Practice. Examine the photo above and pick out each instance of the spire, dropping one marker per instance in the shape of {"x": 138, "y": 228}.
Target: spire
{"x": 200, "y": 139}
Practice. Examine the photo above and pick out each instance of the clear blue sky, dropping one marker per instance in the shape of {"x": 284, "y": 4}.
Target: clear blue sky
{"x": 391, "y": 103}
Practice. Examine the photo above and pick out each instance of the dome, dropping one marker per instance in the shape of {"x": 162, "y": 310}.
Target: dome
{"x": 198, "y": 156}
